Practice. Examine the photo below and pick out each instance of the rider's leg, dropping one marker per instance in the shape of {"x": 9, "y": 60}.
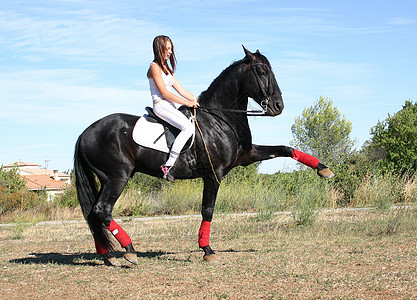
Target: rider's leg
{"x": 173, "y": 116}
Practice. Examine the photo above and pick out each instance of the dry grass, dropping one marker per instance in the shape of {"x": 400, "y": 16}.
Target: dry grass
{"x": 409, "y": 191}
{"x": 348, "y": 254}
{"x": 42, "y": 213}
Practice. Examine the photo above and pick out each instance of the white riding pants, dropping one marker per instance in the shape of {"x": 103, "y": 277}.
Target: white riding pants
{"x": 168, "y": 112}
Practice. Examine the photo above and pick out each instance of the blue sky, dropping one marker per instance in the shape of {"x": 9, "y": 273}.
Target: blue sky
{"x": 65, "y": 64}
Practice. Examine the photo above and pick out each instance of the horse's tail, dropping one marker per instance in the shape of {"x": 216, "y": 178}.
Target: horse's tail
{"x": 85, "y": 182}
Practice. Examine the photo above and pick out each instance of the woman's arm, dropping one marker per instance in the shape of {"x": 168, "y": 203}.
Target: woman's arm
{"x": 183, "y": 92}
{"x": 154, "y": 72}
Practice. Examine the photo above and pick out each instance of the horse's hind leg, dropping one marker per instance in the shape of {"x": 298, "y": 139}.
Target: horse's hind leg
{"x": 109, "y": 194}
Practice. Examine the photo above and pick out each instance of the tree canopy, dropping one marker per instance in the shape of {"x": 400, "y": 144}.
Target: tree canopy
{"x": 14, "y": 194}
{"x": 323, "y": 132}
{"x": 394, "y": 140}
{"x": 10, "y": 181}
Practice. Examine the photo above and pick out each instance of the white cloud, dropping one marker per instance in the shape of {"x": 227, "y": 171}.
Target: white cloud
{"x": 66, "y": 96}
{"x": 402, "y": 21}
{"x": 81, "y": 36}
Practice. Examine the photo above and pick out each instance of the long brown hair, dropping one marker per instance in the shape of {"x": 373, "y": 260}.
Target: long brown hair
{"x": 159, "y": 47}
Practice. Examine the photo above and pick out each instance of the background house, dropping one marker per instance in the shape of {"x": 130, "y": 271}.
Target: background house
{"x": 38, "y": 179}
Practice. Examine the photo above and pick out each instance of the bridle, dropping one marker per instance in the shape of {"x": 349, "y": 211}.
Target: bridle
{"x": 265, "y": 98}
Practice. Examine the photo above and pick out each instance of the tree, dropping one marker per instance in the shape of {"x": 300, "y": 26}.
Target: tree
{"x": 323, "y": 132}
{"x": 14, "y": 194}
{"x": 394, "y": 141}
{"x": 11, "y": 181}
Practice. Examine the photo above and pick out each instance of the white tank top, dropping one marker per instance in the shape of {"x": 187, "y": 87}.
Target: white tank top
{"x": 155, "y": 93}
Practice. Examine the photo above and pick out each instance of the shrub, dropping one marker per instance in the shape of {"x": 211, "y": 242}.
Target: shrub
{"x": 308, "y": 200}
{"x": 20, "y": 200}
{"x": 396, "y": 139}
{"x": 68, "y": 198}
{"x": 11, "y": 181}
{"x": 145, "y": 183}
{"x": 378, "y": 190}
{"x": 409, "y": 189}
{"x": 14, "y": 195}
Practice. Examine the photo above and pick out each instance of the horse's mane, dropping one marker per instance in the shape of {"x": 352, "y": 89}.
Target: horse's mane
{"x": 219, "y": 84}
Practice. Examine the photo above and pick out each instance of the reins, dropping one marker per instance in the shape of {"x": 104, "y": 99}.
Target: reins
{"x": 205, "y": 146}
{"x": 253, "y": 112}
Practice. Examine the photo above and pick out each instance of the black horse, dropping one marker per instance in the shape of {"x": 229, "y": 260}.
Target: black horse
{"x": 106, "y": 150}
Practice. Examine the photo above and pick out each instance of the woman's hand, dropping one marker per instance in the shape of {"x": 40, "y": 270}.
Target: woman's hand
{"x": 193, "y": 103}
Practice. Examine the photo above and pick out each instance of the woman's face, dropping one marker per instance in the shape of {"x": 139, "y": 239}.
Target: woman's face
{"x": 168, "y": 50}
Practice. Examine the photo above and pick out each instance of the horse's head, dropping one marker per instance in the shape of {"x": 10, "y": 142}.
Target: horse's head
{"x": 260, "y": 83}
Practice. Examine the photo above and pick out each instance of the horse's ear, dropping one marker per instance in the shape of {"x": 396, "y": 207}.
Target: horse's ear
{"x": 257, "y": 51}
{"x": 248, "y": 53}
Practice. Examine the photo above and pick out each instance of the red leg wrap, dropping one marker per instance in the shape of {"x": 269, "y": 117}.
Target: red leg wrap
{"x": 99, "y": 248}
{"x": 306, "y": 159}
{"x": 121, "y": 235}
{"x": 204, "y": 234}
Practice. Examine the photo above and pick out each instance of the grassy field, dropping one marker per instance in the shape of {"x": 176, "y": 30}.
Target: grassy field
{"x": 345, "y": 254}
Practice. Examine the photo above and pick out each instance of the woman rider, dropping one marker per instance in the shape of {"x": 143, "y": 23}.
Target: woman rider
{"x": 165, "y": 103}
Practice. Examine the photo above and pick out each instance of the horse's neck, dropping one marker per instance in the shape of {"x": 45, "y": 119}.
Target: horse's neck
{"x": 224, "y": 93}
{"x": 236, "y": 121}
{"x": 219, "y": 98}
{"x": 225, "y": 96}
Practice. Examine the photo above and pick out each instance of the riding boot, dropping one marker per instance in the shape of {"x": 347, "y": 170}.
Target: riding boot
{"x": 167, "y": 171}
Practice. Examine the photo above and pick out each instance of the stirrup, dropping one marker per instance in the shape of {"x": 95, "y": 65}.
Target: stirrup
{"x": 167, "y": 175}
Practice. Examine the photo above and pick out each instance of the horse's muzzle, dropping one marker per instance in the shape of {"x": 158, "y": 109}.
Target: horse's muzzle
{"x": 275, "y": 108}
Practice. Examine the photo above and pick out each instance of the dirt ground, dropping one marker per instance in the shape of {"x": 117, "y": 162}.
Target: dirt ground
{"x": 345, "y": 255}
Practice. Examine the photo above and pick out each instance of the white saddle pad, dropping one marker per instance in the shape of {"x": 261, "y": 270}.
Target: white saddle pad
{"x": 146, "y": 133}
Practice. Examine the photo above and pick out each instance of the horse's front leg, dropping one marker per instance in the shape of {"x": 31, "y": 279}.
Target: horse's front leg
{"x": 259, "y": 153}
{"x": 211, "y": 187}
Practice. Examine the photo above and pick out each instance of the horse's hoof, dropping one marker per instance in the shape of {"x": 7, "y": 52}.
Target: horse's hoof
{"x": 131, "y": 257}
{"x": 210, "y": 257}
{"x": 111, "y": 262}
{"x": 325, "y": 173}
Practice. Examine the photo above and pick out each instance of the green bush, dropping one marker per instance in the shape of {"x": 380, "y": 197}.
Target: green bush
{"x": 306, "y": 205}
{"x": 145, "y": 183}
{"x": 396, "y": 139}
{"x": 68, "y": 198}
{"x": 20, "y": 200}
{"x": 358, "y": 183}
{"x": 11, "y": 181}
{"x": 14, "y": 195}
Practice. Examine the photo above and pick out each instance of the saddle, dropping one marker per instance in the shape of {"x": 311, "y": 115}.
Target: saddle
{"x": 170, "y": 131}
{"x": 152, "y": 132}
